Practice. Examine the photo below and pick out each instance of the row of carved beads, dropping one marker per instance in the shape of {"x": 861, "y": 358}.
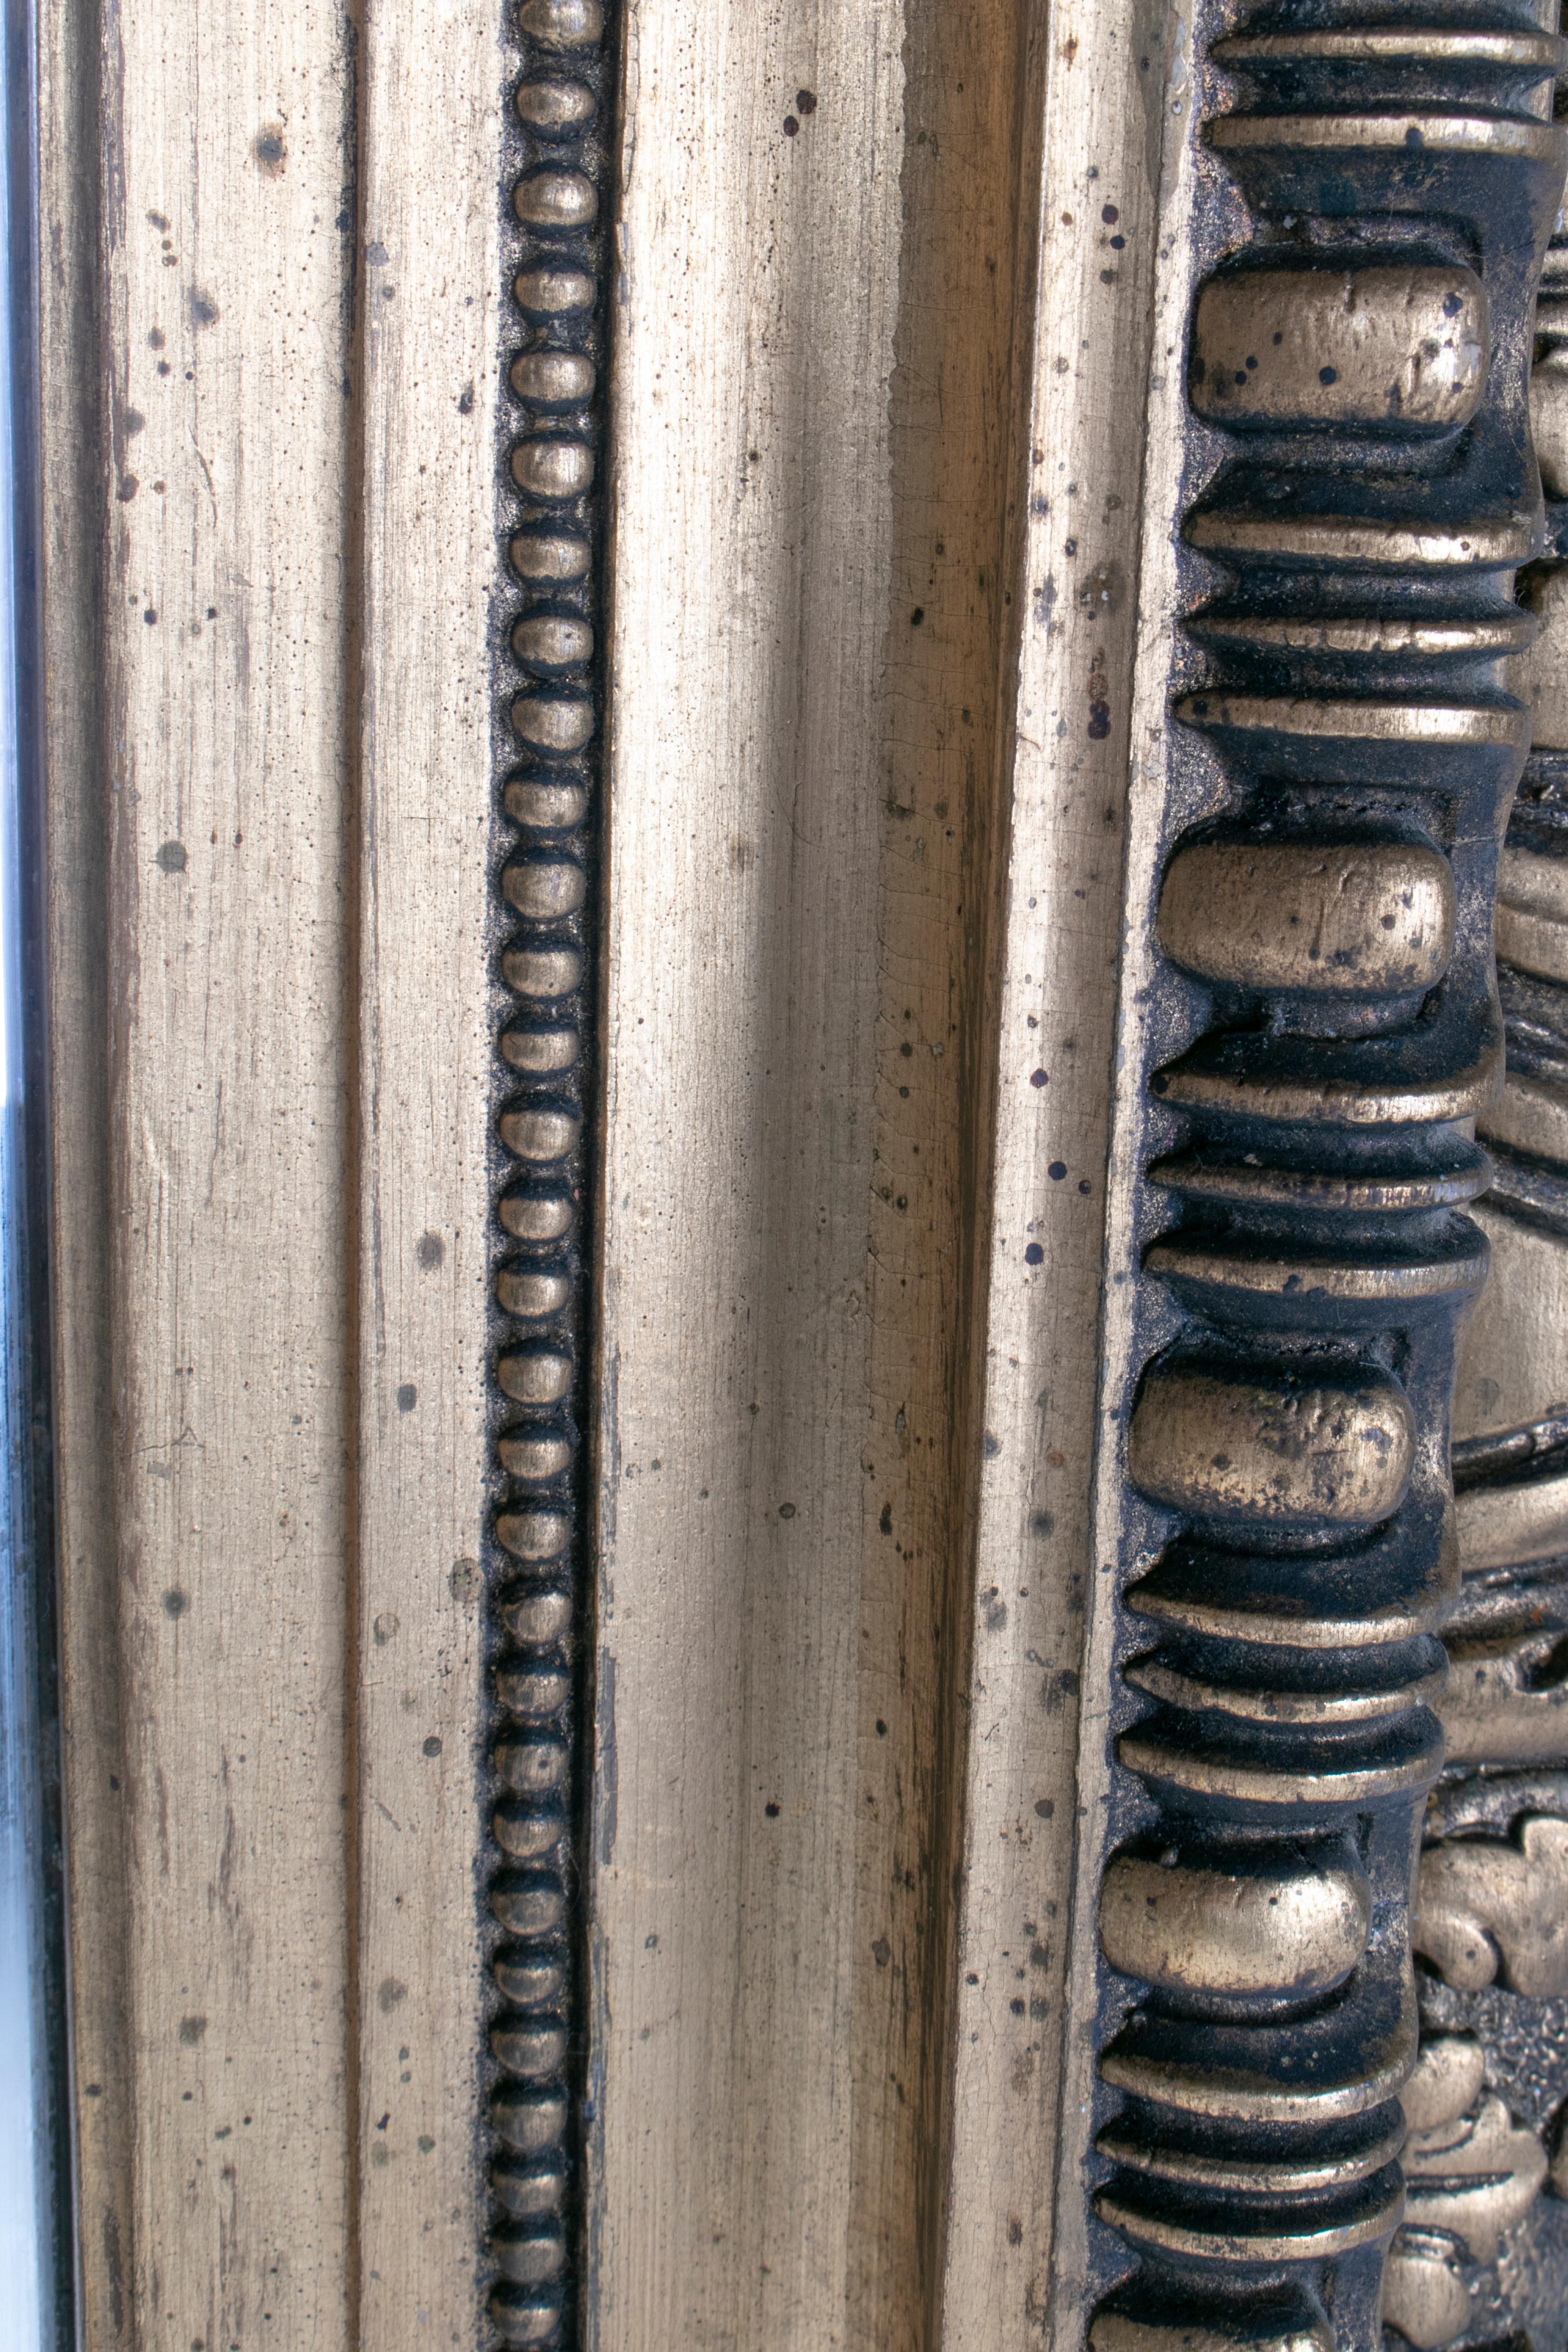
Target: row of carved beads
{"x": 1327, "y": 919}
{"x": 549, "y": 791}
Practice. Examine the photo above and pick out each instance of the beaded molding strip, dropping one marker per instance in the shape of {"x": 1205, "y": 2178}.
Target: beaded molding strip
{"x": 1482, "y": 2256}
{"x": 546, "y": 650}
{"x": 1381, "y": 190}
{"x": 1376, "y": 192}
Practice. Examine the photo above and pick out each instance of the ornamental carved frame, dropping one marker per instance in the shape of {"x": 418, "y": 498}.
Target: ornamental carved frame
{"x": 920, "y": 1578}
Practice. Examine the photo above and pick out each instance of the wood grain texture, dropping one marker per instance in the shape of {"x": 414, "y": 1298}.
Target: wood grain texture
{"x": 942, "y": 720}
{"x": 1167, "y": 214}
{"x": 226, "y": 608}
{"x": 1094, "y": 88}
{"x": 269, "y": 549}
{"x": 70, "y": 618}
{"x": 431, "y": 161}
{"x": 873, "y": 556}
{"x": 752, "y": 527}
{"x": 1009, "y": 588}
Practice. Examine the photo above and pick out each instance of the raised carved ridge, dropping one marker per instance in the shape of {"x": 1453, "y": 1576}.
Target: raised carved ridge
{"x": 1478, "y": 2250}
{"x": 1346, "y": 755}
{"x": 546, "y": 625}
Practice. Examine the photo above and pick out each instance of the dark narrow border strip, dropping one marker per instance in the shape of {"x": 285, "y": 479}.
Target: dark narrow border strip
{"x": 36, "y": 1745}
{"x": 547, "y": 668}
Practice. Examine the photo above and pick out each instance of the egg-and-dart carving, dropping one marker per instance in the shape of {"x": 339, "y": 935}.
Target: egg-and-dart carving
{"x": 1377, "y": 189}
{"x": 559, "y": 120}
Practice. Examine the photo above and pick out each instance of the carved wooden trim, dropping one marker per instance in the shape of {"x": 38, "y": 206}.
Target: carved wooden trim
{"x": 1313, "y": 1017}
{"x": 548, "y": 666}
{"x": 1483, "y": 2240}
{"x": 862, "y": 1315}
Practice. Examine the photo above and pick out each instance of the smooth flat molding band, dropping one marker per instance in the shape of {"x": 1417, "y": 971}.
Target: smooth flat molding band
{"x": 1374, "y": 201}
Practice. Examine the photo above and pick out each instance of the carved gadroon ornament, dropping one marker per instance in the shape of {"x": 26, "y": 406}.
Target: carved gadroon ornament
{"x": 546, "y": 625}
{"x": 1375, "y": 190}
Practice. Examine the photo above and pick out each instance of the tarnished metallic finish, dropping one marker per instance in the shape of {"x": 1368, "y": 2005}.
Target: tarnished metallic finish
{"x": 1292, "y": 1924}
{"x": 546, "y": 639}
{"x": 1400, "y": 350}
{"x": 1483, "y": 2250}
{"x": 1367, "y": 919}
{"x": 1373, "y": 199}
{"x": 1470, "y": 2173}
{"x": 1497, "y": 1909}
{"x": 870, "y": 718}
